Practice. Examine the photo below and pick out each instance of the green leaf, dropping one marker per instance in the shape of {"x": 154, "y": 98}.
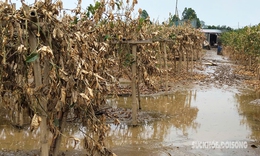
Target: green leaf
{"x": 32, "y": 57}
{"x": 72, "y": 105}
{"x": 118, "y": 5}
{"x": 76, "y": 19}
{"x": 56, "y": 122}
{"x": 107, "y": 37}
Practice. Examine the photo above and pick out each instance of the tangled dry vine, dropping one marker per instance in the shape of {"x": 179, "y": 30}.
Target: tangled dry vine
{"x": 54, "y": 63}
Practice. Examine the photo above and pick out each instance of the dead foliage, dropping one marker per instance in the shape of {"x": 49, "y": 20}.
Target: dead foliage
{"x": 78, "y": 59}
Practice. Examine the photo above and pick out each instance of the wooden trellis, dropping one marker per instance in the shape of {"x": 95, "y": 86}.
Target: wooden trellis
{"x": 133, "y": 67}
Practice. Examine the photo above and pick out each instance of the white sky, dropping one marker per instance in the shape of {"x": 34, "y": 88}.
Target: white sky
{"x": 231, "y": 13}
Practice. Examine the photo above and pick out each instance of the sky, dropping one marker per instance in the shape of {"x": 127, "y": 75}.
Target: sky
{"x": 232, "y": 13}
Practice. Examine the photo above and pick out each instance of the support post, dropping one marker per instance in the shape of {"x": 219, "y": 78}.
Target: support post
{"x": 258, "y": 69}
{"x": 42, "y": 101}
{"x": 160, "y": 61}
{"x": 134, "y": 104}
{"x": 166, "y": 66}
{"x": 138, "y": 86}
{"x": 180, "y": 62}
{"x": 192, "y": 63}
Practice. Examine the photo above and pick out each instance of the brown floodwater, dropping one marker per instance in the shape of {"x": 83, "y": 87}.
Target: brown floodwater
{"x": 195, "y": 115}
{"x": 211, "y": 114}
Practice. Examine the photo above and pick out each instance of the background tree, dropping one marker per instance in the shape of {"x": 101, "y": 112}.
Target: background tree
{"x": 223, "y": 27}
{"x": 203, "y": 24}
{"x": 173, "y": 20}
{"x": 144, "y": 14}
{"x": 190, "y": 14}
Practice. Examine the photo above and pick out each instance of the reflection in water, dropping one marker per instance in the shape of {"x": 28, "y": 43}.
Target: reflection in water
{"x": 203, "y": 115}
{"x": 250, "y": 112}
{"x": 13, "y": 139}
{"x": 177, "y": 107}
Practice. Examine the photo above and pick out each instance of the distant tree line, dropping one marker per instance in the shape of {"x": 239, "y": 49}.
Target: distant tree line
{"x": 188, "y": 15}
{"x": 223, "y": 27}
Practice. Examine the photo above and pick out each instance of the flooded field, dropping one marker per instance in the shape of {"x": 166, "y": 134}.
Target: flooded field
{"x": 194, "y": 115}
{"x": 191, "y": 115}
{"x": 217, "y": 109}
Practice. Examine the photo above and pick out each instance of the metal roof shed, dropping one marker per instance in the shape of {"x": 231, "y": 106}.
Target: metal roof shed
{"x": 211, "y": 31}
{"x": 212, "y": 36}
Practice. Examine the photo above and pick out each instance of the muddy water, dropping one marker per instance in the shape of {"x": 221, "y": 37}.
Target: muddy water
{"x": 211, "y": 114}
{"x": 194, "y": 115}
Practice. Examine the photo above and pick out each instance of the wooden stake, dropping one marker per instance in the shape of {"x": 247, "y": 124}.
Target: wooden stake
{"x": 16, "y": 115}
{"x": 257, "y": 69}
{"x": 134, "y": 105}
{"x": 166, "y": 66}
{"x": 160, "y": 62}
{"x": 180, "y": 62}
{"x": 192, "y": 61}
{"x": 138, "y": 87}
{"x": 250, "y": 62}
{"x": 200, "y": 57}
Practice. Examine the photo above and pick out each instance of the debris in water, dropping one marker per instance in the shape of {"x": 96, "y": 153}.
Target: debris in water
{"x": 255, "y": 102}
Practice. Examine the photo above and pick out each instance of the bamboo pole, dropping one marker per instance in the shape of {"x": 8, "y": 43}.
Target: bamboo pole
{"x": 250, "y": 62}
{"x": 16, "y": 114}
{"x": 186, "y": 60}
{"x": 200, "y": 58}
{"x": 175, "y": 61}
{"x": 192, "y": 55}
{"x": 257, "y": 69}
{"x": 62, "y": 115}
{"x": 134, "y": 105}
{"x": 21, "y": 120}
{"x": 180, "y": 62}
{"x": 160, "y": 62}
{"x": 166, "y": 66}
{"x": 21, "y": 112}
{"x": 42, "y": 101}
{"x": 134, "y": 99}
{"x": 138, "y": 87}
{"x": 159, "y": 57}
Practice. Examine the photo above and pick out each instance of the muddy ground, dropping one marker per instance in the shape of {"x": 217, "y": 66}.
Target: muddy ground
{"x": 215, "y": 71}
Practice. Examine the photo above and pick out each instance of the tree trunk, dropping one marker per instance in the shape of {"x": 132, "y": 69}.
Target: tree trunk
{"x": 55, "y": 145}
